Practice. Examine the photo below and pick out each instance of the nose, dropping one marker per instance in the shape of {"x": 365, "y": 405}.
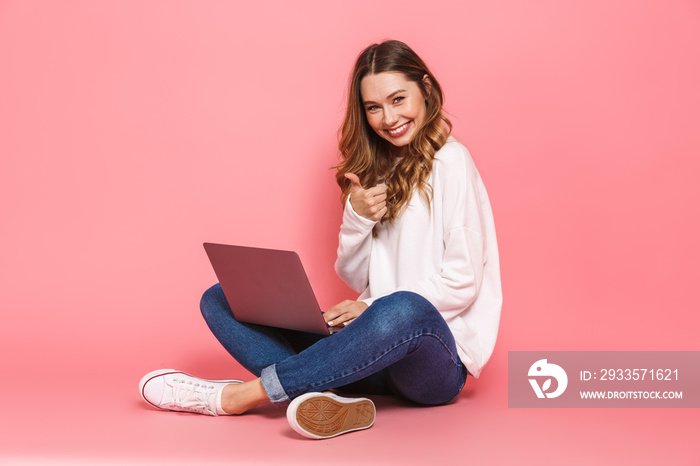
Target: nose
{"x": 390, "y": 117}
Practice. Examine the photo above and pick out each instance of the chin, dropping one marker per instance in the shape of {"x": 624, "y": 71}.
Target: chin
{"x": 403, "y": 141}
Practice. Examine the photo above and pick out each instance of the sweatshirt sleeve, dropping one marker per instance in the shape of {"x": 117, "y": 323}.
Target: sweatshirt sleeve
{"x": 354, "y": 246}
{"x": 457, "y": 285}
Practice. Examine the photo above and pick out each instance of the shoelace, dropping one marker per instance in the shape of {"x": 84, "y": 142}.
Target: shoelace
{"x": 194, "y": 396}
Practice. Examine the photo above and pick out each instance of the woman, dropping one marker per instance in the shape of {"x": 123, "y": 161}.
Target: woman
{"x": 417, "y": 241}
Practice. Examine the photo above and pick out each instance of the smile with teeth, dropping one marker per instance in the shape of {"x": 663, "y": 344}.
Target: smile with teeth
{"x": 398, "y": 131}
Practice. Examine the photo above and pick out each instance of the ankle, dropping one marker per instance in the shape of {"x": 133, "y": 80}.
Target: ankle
{"x": 239, "y": 398}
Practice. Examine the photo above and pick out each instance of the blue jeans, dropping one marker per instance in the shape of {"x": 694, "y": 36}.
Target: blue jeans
{"x": 400, "y": 345}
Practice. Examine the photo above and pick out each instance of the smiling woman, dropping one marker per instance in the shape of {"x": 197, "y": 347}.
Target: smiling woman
{"x": 426, "y": 267}
{"x": 393, "y": 94}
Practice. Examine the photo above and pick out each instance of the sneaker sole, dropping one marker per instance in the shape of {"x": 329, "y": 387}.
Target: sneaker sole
{"x": 159, "y": 372}
{"x": 322, "y": 415}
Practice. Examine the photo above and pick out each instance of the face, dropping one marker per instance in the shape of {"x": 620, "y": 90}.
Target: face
{"x": 394, "y": 106}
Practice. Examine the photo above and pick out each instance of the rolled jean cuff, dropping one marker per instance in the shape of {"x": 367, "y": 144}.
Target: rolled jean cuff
{"x": 273, "y": 387}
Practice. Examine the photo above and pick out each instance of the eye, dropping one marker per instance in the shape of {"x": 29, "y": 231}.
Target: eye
{"x": 398, "y": 99}
{"x": 372, "y": 108}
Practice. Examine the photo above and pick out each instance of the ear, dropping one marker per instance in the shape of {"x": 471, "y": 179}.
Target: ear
{"x": 427, "y": 85}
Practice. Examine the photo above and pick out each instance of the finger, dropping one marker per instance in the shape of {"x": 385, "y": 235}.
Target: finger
{"x": 339, "y": 320}
{"x": 380, "y": 198}
{"x": 331, "y": 315}
{"x": 376, "y": 191}
{"x": 372, "y": 199}
{"x": 375, "y": 209}
{"x": 373, "y": 203}
{"x": 336, "y": 311}
{"x": 354, "y": 181}
{"x": 348, "y": 312}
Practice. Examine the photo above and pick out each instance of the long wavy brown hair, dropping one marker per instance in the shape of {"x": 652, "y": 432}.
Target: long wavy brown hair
{"x": 367, "y": 155}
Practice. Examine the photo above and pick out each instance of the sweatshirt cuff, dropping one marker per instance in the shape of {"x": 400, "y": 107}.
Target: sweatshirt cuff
{"x": 354, "y": 220}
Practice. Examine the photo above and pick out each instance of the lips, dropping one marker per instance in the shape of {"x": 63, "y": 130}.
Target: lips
{"x": 399, "y": 131}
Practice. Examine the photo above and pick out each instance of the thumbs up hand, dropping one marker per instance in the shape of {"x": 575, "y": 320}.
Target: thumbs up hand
{"x": 369, "y": 203}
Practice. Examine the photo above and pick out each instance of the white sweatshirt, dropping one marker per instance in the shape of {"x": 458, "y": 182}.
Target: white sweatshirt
{"x": 447, "y": 254}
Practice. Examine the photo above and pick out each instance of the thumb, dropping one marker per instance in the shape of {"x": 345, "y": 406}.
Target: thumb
{"x": 355, "y": 181}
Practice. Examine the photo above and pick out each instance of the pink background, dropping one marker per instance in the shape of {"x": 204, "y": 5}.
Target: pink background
{"x": 131, "y": 132}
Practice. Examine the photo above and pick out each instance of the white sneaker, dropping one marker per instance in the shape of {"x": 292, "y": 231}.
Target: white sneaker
{"x": 325, "y": 415}
{"x": 173, "y": 390}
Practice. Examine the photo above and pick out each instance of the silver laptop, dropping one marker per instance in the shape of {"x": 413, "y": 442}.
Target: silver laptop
{"x": 268, "y": 287}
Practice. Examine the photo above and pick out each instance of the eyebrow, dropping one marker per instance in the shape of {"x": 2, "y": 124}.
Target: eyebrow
{"x": 388, "y": 97}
